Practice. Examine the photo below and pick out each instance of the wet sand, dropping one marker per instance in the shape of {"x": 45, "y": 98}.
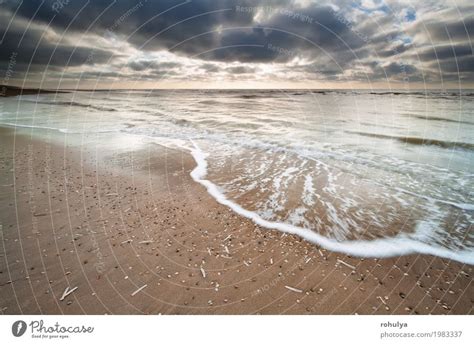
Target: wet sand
{"x": 134, "y": 234}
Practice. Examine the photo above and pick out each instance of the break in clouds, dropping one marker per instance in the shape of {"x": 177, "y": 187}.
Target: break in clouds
{"x": 299, "y": 41}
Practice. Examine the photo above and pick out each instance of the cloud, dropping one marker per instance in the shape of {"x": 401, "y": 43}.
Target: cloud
{"x": 452, "y": 31}
{"x": 36, "y": 46}
{"x": 459, "y": 65}
{"x": 240, "y": 70}
{"x": 445, "y": 52}
{"x": 295, "y": 40}
{"x": 142, "y": 65}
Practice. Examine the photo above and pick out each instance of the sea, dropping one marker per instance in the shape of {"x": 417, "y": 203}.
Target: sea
{"x": 370, "y": 173}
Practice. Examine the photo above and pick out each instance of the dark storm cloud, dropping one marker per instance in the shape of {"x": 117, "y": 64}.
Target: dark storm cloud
{"x": 293, "y": 27}
{"x": 209, "y": 68}
{"x": 148, "y": 24}
{"x": 142, "y": 65}
{"x": 393, "y": 51}
{"x": 240, "y": 70}
{"x": 32, "y": 47}
{"x": 446, "y": 52}
{"x": 459, "y": 65}
{"x": 455, "y": 30}
{"x": 329, "y": 70}
{"x": 244, "y": 45}
{"x": 335, "y": 41}
{"x": 33, "y": 54}
{"x": 300, "y": 31}
{"x": 395, "y": 68}
{"x": 392, "y": 71}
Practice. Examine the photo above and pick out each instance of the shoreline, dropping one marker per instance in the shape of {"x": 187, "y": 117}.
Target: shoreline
{"x": 149, "y": 239}
{"x": 376, "y": 248}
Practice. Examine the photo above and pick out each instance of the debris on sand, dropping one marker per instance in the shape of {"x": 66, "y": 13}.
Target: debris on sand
{"x": 340, "y": 261}
{"x": 293, "y": 289}
{"x": 139, "y": 289}
{"x": 146, "y": 242}
{"x": 67, "y": 292}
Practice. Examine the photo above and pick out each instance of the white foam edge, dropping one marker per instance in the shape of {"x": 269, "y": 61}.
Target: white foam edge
{"x": 17, "y": 125}
{"x": 377, "y": 248}
{"x": 62, "y": 130}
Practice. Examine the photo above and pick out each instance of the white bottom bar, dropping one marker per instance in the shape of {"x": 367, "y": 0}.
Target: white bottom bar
{"x": 236, "y": 329}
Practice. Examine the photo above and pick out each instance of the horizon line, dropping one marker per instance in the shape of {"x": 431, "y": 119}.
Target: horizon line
{"x": 232, "y": 89}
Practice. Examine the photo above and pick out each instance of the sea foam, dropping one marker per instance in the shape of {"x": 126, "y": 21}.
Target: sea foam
{"x": 399, "y": 245}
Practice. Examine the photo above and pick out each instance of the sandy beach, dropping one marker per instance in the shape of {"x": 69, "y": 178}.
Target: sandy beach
{"x": 132, "y": 233}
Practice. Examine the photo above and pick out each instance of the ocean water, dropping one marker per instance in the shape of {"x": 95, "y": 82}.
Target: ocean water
{"x": 368, "y": 173}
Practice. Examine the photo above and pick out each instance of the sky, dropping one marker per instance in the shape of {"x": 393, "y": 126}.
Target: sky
{"x": 237, "y": 44}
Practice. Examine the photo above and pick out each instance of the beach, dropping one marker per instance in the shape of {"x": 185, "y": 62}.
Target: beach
{"x": 89, "y": 232}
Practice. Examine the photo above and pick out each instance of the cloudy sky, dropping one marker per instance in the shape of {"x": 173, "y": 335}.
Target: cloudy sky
{"x": 237, "y": 43}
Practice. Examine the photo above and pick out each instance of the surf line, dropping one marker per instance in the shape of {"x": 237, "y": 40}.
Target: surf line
{"x": 378, "y": 248}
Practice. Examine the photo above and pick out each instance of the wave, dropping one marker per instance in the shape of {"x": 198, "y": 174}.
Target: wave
{"x": 418, "y": 140}
{"x": 71, "y": 103}
{"x": 462, "y": 206}
{"x": 286, "y": 93}
{"x": 402, "y": 244}
{"x": 440, "y": 119}
{"x": 251, "y": 96}
{"x": 208, "y": 102}
{"x": 440, "y": 94}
